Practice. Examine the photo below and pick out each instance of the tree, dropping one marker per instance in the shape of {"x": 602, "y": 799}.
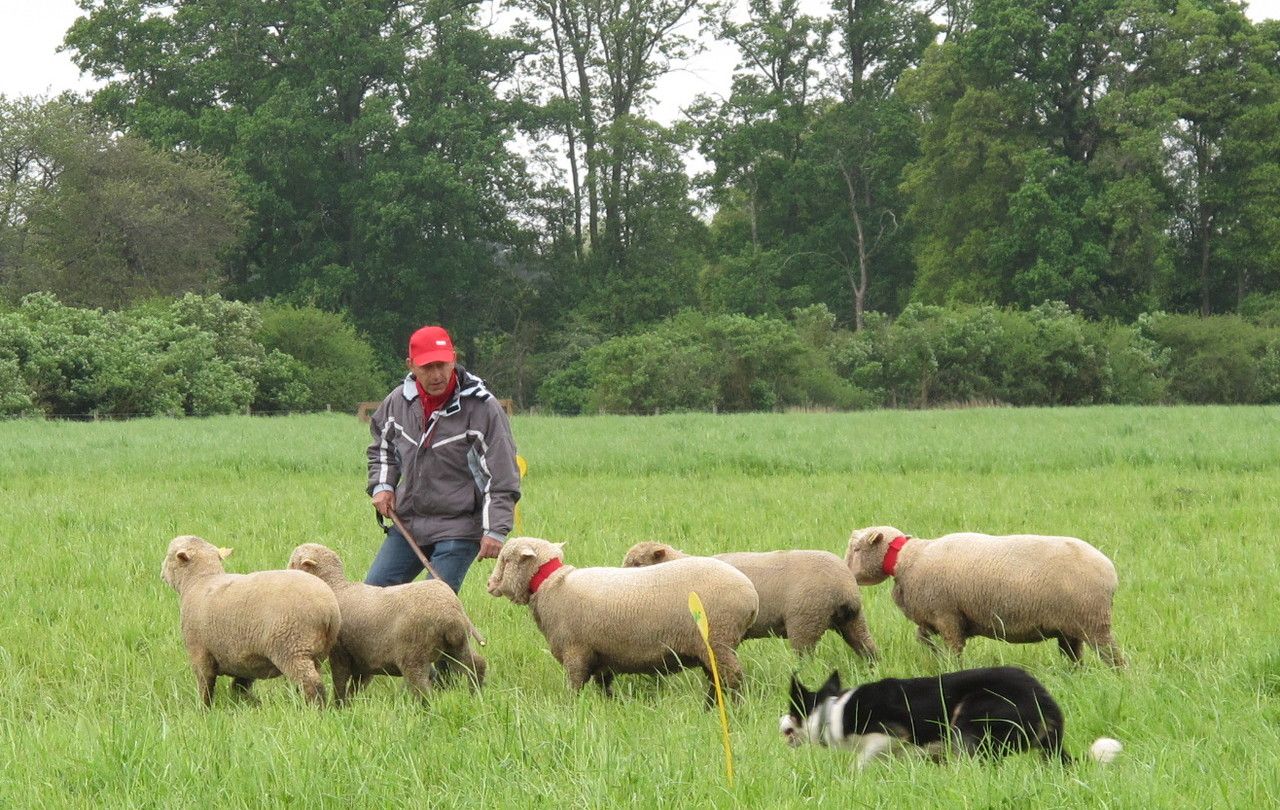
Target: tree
{"x": 370, "y": 137}
{"x": 1032, "y": 185}
{"x": 1208, "y": 67}
{"x": 105, "y": 221}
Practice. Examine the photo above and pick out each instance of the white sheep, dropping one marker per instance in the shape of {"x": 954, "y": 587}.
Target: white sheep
{"x": 250, "y": 626}
{"x": 399, "y": 630}
{"x": 802, "y": 593}
{"x": 600, "y": 622}
{"x": 1018, "y": 588}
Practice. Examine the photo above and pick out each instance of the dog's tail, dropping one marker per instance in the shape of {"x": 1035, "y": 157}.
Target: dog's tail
{"x": 1105, "y": 750}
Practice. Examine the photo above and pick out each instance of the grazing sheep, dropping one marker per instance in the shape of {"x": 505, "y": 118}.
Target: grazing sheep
{"x": 398, "y": 630}
{"x": 600, "y": 622}
{"x": 1018, "y": 588}
{"x": 802, "y": 594}
{"x": 250, "y": 626}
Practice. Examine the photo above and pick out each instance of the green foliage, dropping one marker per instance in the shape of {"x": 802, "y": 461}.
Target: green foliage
{"x": 105, "y": 220}
{"x": 340, "y": 368}
{"x": 197, "y": 355}
{"x": 699, "y": 362}
{"x": 370, "y": 141}
{"x": 1219, "y": 359}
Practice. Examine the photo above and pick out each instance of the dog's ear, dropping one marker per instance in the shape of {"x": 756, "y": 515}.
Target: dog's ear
{"x": 832, "y": 686}
{"x": 801, "y": 699}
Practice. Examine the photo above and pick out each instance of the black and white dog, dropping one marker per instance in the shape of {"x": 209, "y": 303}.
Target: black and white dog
{"x": 991, "y": 712}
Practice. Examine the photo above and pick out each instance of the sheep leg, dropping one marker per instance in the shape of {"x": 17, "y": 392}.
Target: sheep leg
{"x": 1072, "y": 648}
{"x": 926, "y": 634}
{"x": 952, "y": 630}
{"x": 240, "y": 687}
{"x": 206, "y": 670}
{"x": 1106, "y": 646}
{"x": 344, "y": 686}
{"x": 302, "y": 670}
{"x": 605, "y": 680}
{"x": 577, "y": 667}
{"x": 417, "y": 675}
{"x": 802, "y": 636}
{"x": 858, "y": 636}
{"x": 730, "y": 670}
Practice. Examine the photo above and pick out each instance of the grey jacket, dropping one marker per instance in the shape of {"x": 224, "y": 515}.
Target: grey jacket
{"x": 455, "y": 475}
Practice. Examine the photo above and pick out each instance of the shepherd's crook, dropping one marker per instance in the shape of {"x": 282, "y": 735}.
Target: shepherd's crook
{"x": 408, "y": 538}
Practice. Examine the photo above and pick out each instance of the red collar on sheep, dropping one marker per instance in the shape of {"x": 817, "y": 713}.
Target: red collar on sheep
{"x": 540, "y": 576}
{"x": 891, "y": 556}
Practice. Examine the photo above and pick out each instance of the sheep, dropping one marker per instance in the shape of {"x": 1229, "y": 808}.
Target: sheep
{"x": 402, "y": 630}
{"x": 802, "y": 594}
{"x": 1018, "y": 588}
{"x": 250, "y": 626}
{"x": 600, "y": 622}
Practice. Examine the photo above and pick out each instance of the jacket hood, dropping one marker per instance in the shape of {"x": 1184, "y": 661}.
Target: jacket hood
{"x": 469, "y": 385}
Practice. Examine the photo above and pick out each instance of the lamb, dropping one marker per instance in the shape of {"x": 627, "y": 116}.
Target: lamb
{"x": 1018, "y": 588}
{"x": 401, "y": 630}
{"x": 802, "y": 594}
{"x": 600, "y": 622}
{"x": 250, "y": 626}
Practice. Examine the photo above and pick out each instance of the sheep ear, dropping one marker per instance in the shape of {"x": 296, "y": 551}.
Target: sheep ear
{"x": 182, "y": 556}
{"x": 224, "y": 552}
{"x": 659, "y": 554}
{"x": 559, "y": 546}
{"x": 528, "y": 552}
{"x": 875, "y": 537}
{"x": 309, "y": 564}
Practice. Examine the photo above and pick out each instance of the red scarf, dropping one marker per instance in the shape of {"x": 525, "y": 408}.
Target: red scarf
{"x": 432, "y": 404}
{"x": 540, "y": 576}
{"x": 891, "y": 556}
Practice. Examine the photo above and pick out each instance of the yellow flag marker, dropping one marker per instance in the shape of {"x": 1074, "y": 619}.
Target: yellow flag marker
{"x": 700, "y": 617}
{"x": 523, "y": 466}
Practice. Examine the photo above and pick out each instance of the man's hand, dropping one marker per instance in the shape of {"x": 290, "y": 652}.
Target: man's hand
{"x": 489, "y": 548}
{"x": 385, "y": 502}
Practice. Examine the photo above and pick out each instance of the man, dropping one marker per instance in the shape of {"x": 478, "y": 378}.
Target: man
{"x": 442, "y": 458}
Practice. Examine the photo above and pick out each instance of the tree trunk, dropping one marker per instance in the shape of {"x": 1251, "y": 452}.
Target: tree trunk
{"x": 860, "y": 288}
{"x": 570, "y": 136}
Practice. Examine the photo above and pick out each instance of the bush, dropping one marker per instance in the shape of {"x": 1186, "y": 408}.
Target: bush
{"x": 197, "y": 355}
{"x": 1217, "y": 359}
{"x": 695, "y": 362}
{"x": 338, "y": 366}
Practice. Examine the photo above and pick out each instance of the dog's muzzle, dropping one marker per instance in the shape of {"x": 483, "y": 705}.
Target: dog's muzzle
{"x": 791, "y": 731}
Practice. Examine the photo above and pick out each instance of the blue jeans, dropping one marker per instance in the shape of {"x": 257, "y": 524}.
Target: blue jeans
{"x": 396, "y": 563}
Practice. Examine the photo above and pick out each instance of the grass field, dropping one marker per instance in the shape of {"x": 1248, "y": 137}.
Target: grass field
{"x": 99, "y": 709}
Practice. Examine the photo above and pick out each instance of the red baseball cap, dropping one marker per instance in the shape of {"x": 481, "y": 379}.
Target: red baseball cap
{"x": 431, "y": 344}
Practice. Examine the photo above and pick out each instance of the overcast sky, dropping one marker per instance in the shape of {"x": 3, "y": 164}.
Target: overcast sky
{"x": 32, "y": 30}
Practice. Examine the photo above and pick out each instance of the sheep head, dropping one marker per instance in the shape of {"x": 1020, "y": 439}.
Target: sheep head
{"x": 319, "y": 560}
{"x": 865, "y": 555}
{"x": 189, "y": 556}
{"x": 650, "y": 552}
{"x": 520, "y": 559}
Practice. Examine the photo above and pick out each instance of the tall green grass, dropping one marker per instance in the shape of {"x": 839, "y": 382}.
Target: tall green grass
{"x": 98, "y": 706}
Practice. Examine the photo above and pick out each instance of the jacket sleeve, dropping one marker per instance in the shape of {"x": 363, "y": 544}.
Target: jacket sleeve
{"x": 501, "y": 486}
{"x": 384, "y": 459}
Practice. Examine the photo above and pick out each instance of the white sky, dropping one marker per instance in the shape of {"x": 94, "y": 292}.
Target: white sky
{"x": 31, "y": 32}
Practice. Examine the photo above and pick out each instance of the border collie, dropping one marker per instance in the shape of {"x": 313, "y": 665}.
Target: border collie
{"x": 989, "y": 712}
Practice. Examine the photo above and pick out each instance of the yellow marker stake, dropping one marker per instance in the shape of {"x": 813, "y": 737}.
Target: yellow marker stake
{"x": 523, "y": 466}
{"x": 700, "y": 617}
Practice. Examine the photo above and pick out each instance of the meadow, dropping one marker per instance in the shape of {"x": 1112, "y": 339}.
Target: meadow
{"x": 98, "y": 707}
